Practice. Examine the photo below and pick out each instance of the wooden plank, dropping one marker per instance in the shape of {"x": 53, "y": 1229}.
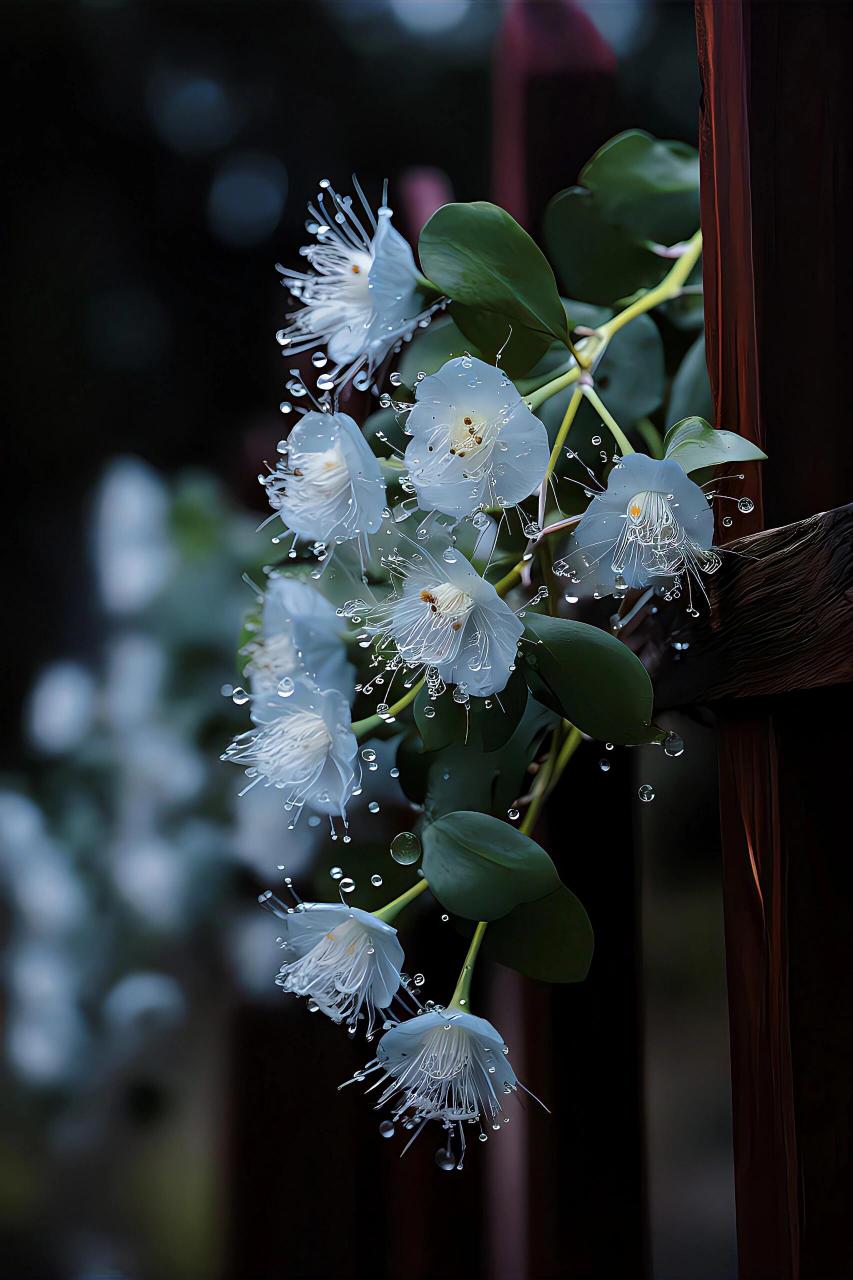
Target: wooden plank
{"x": 779, "y": 619}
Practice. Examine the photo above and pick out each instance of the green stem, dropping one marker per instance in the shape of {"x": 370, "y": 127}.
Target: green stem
{"x": 565, "y": 427}
{"x": 392, "y": 909}
{"x": 608, "y": 420}
{"x": 509, "y": 579}
{"x": 460, "y": 1001}
{"x": 669, "y": 287}
{"x": 543, "y": 393}
{"x": 554, "y": 766}
{"x": 540, "y": 785}
{"x": 362, "y": 727}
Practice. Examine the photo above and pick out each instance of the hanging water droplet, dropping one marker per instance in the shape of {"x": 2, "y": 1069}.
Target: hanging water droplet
{"x": 673, "y": 745}
{"x": 445, "y": 1160}
{"x": 406, "y": 848}
{"x": 386, "y": 1129}
{"x": 347, "y": 885}
{"x": 325, "y": 382}
{"x": 646, "y": 793}
{"x": 240, "y": 696}
{"x": 396, "y": 380}
{"x": 376, "y": 881}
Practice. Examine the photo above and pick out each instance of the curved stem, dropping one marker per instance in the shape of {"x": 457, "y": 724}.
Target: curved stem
{"x": 510, "y": 579}
{"x": 565, "y": 428}
{"x": 669, "y": 287}
{"x": 392, "y": 909}
{"x": 543, "y": 393}
{"x": 608, "y": 420}
{"x": 369, "y": 723}
{"x": 460, "y": 1000}
{"x": 555, "y": 766}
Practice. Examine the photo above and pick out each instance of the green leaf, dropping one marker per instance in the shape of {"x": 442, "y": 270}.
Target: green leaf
{"x": 589, "y": 678}
{"x": 647, "y": 186}
{"x": 636, "y": 191}
{"x": 467, "y": 777}
{"x": 480, "y": 868}
{"x": 478, "y": 255}
{"x": 595, "y": 261}
{"x": 520, "y": 348}
{"x": 694, "y": 443}
{"x": 440, "y": 721}
{"x": 550, "y": 939}
{"x": 414, "y": 764}
{"x": 691, "y": 388}
{"x": 431, "y": 348}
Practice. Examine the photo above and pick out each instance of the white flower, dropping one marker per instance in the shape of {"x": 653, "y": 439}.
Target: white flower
{"x": 474, "y": 441}
{"x": 651, "y": 526}
{"x": 302, "y": 635}
{"x": 346, "y": 960}
{"x": 444, "y": 616}
{"x": 327, "y": 486}
{"x": 303, "y": 745}
{"x": 361, "y": 298}
{"x": 446, "y": 1066}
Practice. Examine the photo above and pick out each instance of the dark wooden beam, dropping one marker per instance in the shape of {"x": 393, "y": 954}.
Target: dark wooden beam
{"x": 779, "y": 619}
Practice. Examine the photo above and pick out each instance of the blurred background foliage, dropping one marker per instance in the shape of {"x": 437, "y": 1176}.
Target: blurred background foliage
{"x": 159, "y": 159}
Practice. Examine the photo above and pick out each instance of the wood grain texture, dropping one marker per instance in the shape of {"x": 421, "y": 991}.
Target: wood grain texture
{"x": 780, "y": 619}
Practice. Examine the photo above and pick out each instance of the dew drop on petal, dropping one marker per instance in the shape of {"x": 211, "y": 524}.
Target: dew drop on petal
{"x": 240, "y": 696}
{"x": 406, "y": 848}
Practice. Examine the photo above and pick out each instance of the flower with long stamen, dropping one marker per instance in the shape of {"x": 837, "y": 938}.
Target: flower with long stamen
{"x": 361, "y": 298}
{"x": 301, "y": 635}
{"x": 442, "y": 615}
{"x": 303, "y": 745}
{"x": 474, "y": 441}
{"x": 446, "y": 1066}
{"x": 345, "y": 960}
{"x": 651, "y": 526}
{"x": 327, "y": 486}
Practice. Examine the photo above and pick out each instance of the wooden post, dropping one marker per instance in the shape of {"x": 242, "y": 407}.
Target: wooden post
{"x": 776, "y": 189}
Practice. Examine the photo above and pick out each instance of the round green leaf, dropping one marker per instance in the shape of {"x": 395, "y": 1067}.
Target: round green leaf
{"x": 550, "y": 939}
{"x": 691, "y": 388}
{"x": 647, "y": 186}
{"x": 589, "y": 678}
{"x": 480, "y": 868}
{"x": 596, "y": 262}
{"x": 694, "y": 443}
{"x": 478, "y": 255}
{"x": 496, "y": 335}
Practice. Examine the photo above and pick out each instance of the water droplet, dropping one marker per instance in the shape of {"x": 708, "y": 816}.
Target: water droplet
{"x": 646, "y": 793}
{"x": 240, "y": 696}
{"x": 419, "y": 979}
{"x": 727, "y": 522}
{"x": 406, "y": 848}
{"x": 335, "y": 873}
{"x": 374, "y": 806}
{"x": 347, "y": 885}
{"x": 386, "y": 1129}
{"x": 673, "y": 745}
{"x": 444, "y": 1159}
{"x": 745, "y": 505}
{"x": 604, "y": 766}
{"x": 285, "y": 687}
{"x": 368, "y": 755}
{"x": 376, "y": 881}
{"x": 513, "y": 815}
{"x": 444, "y": 919}
{"x": 429, "y": 712}
{"x": 319, "y": 360}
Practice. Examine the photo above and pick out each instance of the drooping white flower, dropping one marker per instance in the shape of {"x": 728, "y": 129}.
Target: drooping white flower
{"x": 345, "y": 960}
{"x": 652, "y": 526}
{"x": 442, "y": 615}
{"x": 303, "y": 745}
{"x": 474, "y": 441}
{"x": 361, "y": 298}
{"x": 301, "y": 635}
{"x": 327, "y": 486}
{"x": 446, "y": 1066}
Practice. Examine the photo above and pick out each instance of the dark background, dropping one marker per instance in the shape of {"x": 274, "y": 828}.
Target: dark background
{"x": 158, "y": 159}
